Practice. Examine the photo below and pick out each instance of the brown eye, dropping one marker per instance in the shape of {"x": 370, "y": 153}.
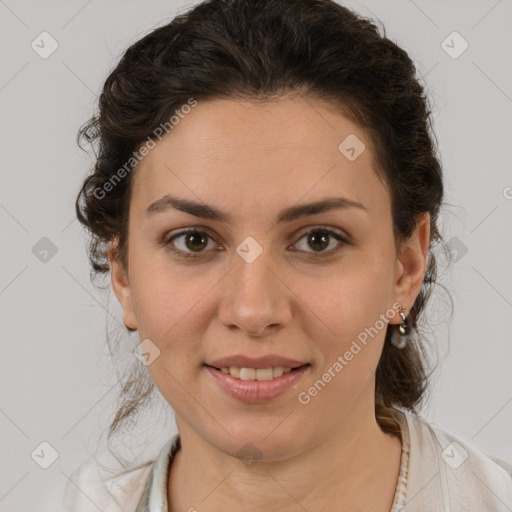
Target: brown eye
{"x": 190, "y": 242}
{"x": 193, "y": 243}
{"x": 196, "y": 241}
{"x": 320, "y": 239}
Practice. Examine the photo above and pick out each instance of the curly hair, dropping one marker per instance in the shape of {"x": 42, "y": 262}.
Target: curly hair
{"x": 260, "y": 50}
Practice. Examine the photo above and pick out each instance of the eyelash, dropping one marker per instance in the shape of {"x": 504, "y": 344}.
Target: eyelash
{"x": 315, "y": 255}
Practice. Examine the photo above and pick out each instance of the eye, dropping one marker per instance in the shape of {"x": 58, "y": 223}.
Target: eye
{"x": 193, "y": 239}
{"x": 320, "y": 239}
{"x": 193, "y": 242}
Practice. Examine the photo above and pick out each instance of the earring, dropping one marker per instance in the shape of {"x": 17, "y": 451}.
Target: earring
{"x": 404, "y": 327}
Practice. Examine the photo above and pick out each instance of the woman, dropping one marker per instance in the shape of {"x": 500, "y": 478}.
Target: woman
{"x": 266, "y": 196}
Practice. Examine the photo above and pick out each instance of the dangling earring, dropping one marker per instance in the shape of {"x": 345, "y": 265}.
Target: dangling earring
{"x": 404, "y": 327}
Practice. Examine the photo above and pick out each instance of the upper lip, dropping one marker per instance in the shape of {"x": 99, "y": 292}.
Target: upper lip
{"x": 242, "y": 361}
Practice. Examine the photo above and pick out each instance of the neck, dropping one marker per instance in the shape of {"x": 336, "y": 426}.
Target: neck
{"x": 354, "y": 468}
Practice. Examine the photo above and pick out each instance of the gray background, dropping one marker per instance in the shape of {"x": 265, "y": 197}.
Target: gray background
{"x": 57, "y": 380}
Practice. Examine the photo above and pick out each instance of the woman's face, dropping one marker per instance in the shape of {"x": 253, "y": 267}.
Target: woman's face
{"x": 260, "y": 283}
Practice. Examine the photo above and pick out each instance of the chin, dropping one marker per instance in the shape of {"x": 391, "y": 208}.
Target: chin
{"x": 253, "y": 440}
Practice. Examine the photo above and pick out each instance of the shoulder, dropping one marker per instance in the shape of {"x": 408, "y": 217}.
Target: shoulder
{"x": 447, "y": 472}
{"x": 92, "y": 487}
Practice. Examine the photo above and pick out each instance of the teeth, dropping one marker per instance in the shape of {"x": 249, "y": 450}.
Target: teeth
{"x": 255, "y": 373}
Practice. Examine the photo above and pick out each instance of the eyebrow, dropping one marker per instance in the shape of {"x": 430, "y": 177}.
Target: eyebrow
{"x": 205, "y": 211}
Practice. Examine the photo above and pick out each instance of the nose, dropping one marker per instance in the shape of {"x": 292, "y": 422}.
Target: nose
{"x": 255, "y": 299}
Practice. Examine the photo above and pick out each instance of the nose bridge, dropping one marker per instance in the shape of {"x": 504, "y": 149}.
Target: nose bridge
{"x": 255, "y": 299}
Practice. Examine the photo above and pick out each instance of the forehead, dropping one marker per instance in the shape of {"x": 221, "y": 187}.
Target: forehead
{"x": 251, "y": 156}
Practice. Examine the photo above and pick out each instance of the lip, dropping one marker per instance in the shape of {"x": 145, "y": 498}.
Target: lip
{"x": 257, "y": 391}
{"x": 243, "y": 361}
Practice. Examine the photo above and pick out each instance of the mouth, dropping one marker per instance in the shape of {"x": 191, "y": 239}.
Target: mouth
{"x": 256, "y": 385}
{"x": 260, "y": 374}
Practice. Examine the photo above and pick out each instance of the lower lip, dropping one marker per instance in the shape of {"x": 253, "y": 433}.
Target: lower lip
{"x": 257, "y": 391}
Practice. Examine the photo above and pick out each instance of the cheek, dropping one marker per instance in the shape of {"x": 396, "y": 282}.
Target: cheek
{"x": 167, "y": 300}
{"x": 348, "y": 339}
{"x": 347, "y": 316}
{"x": 349, "y": 299}
{"x": 170, "y": 312}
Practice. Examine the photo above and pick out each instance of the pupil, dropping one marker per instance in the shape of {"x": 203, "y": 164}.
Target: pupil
{"x": 323, "y": 239}
{"x": 194, "y": 237}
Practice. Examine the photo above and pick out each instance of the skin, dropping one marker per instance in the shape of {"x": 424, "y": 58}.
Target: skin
{"x": 252, "y": 161}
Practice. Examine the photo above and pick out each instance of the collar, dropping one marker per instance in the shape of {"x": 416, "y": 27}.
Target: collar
{"x": 426, "y": 476}
{"x": 154, "y": 495}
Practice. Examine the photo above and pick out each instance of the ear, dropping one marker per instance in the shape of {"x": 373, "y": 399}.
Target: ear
{"x": 121, "y": 286}
{"x": 411, "y": 265}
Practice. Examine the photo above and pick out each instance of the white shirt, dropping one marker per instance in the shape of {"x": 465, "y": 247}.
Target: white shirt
{"x": 438, "y": 473}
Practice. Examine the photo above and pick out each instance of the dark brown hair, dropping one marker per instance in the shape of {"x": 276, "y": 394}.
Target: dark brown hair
{"x": 261, "y": 50}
